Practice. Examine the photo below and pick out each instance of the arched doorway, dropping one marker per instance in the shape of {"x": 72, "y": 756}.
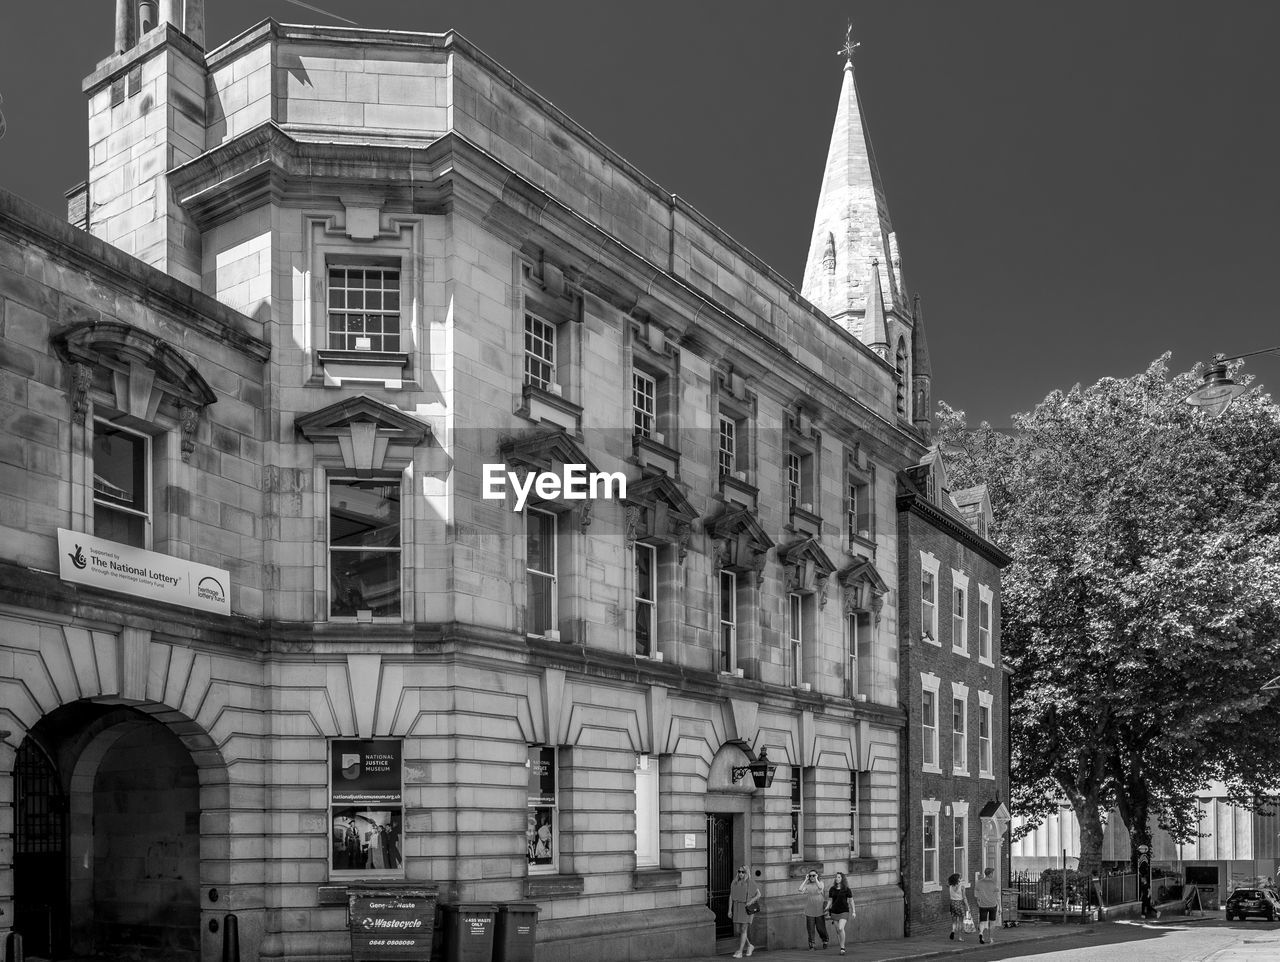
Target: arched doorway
{"x": 729, "y": 806}
{"x": 118, "y": 874}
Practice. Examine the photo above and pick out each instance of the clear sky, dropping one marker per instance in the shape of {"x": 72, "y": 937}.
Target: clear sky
{"x": 1076, "y": 186}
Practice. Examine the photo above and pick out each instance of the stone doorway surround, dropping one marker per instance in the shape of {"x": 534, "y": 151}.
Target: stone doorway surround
{"x": 736, "y": 800}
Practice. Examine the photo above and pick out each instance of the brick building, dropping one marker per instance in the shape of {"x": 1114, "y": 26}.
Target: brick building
{"x": 956, "y": 763}
{"x": 266, "y": 638}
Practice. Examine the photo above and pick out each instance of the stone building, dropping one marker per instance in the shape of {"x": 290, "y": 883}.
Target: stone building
{"x": 956, "y": 760}
{"x": 297, "y": 593}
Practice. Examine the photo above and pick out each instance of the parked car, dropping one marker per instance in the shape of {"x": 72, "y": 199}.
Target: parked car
{"x": 1243, "y": 903}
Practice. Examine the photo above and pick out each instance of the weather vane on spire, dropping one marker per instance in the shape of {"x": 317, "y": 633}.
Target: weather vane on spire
{"x": 849, "y": 46}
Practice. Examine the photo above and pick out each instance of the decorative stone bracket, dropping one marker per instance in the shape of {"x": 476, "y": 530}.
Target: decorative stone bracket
{"x": 864, "y": 589}
{"x": 807, "y": 568}
{"x": 739, "y": 542}
{"x": 658, "y": 512}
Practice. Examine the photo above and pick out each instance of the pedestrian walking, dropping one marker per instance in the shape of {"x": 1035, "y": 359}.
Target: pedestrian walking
{"x": 815, "y": 909}
{"x": 986, "y": 892}
{"x": 955, "y": 892}
{"x": 840, "y": 907}
{"x": 744, "y": 902}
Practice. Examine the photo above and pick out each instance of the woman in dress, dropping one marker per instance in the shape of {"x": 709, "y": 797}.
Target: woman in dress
{"x": 840, "y": 906}
{"x": 742, "y": 892}
{"x": 955, "y": 892}
{"x": 814, "y": 908}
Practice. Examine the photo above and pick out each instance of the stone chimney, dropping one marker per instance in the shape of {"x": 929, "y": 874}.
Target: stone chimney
{"x": 136, "y": 18}
{"x": 147, "y": 116}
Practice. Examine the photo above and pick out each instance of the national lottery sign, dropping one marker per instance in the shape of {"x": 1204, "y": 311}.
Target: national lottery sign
{"x": 86, "y": 560}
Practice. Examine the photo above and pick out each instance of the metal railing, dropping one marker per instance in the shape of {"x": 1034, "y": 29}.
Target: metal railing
{"x": 1047, "y": 894}
{"x": 1116, "y": 889}
{"x": 1071, "y": 893}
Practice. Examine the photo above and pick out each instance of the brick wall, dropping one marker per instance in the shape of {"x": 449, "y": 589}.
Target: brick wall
{"x": 928, "y": 904}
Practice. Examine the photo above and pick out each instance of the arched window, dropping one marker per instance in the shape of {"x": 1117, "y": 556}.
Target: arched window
{"x": 900, "y": 367}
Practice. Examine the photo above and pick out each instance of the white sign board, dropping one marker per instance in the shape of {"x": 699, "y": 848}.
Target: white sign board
{"x": 87, "y": 560}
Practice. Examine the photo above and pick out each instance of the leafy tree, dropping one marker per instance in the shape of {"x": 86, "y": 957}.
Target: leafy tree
{"x": 1140, "y": 615}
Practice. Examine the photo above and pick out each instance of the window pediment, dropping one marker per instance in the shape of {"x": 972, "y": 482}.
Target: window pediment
{"x": 658, "y": 512}
{"x": 864, "y": 589}
{"x": 740, "y": 542}
{"x": 140, "y": 369}
{"x": 807, "y": 567}
{"x": 364, "y": 431}
{"x": 542, "y": 451}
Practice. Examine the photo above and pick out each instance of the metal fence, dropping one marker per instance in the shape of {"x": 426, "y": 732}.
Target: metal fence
{"x": 1119, "y": 888}
{"x": 1066, "y": 893}
{"x": 1046, "y": 893}
{"x": 1055, "y": 892}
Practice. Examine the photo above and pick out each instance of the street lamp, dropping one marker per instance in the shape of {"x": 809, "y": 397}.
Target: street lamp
{"x": 1218, "y": 389}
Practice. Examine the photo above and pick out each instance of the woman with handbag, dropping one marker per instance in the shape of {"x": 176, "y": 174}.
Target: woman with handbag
{"x": 840, "y": 908}
{"x": 955, "y": 894}
{"x": 744, "y": 903}
{"x": 814, "y": 909}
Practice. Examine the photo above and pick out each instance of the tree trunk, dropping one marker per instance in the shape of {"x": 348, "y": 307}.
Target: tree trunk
{"x": 1090, "y": 819}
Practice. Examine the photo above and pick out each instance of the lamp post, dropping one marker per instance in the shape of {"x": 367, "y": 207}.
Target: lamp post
{"x": 1063, "y": 809}
{"x": 1218, "y": 389}
{"x": 1144, "y": 861}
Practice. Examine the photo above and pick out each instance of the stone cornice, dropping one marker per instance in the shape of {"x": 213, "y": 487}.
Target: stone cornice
{"x": 55, "y": 600}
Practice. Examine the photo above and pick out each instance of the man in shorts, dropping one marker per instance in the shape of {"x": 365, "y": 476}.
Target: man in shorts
{"x": 986, "y": 891}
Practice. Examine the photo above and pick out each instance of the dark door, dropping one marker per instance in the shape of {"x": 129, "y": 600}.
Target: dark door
{"x": 720, "y": 871}
{"x": 39, "y": 858}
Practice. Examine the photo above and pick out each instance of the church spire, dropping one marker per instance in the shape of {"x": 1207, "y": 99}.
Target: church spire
{"x": 852, "y": 235}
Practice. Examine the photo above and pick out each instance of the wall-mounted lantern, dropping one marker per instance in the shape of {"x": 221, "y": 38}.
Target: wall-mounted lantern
{"x": 760, "y": 770}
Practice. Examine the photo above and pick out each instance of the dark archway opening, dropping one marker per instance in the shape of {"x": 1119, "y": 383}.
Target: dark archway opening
{"x": 39, "y": 852}
{"x": 107, "y": 809}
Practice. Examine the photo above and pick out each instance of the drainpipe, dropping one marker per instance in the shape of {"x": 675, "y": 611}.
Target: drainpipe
{"x": 904, "y": 827}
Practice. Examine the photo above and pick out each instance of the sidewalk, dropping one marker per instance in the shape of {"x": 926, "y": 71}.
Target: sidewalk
{"x": 939, "y": 946}
{"x": 929, "y": 946}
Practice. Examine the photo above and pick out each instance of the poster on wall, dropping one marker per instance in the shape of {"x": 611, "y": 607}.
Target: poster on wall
{"x": 366, "y": 770}
{"x": 366, "y": 808}
{"x": 540, "y": 827}
{"x": 367, "y": 840}
{"x": 542, "y": 776}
